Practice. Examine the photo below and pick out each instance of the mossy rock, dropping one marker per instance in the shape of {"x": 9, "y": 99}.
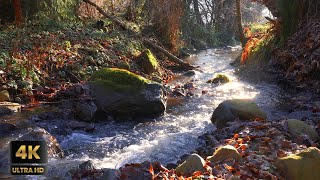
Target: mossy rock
{"x": 148, "y": 62}
{"x": 122, "y": 93}
{"x": 119, "y": 79}
{"x": 229, "y": 110}
{"x": 302, "y": 165}
{"x": 225, "y": 153}
{"x": 300, "y": 127}
{"x": 219, "y": 78}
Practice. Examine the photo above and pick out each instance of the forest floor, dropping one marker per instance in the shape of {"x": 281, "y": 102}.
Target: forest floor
{"x": 37, "y": 61}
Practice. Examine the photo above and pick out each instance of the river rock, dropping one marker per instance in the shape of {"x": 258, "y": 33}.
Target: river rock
{"x": 148, "y": 62}
{"x": 7, "y": 108}
{"x": 219, "y": 78}
{"x": 229, "y": 110}
{"x": 121, "y": 93}
{"x": 300, "y": 127}
{"x": 302, "y": 165}
{"x": 6, "y": 129}
{"x": 192, "y": 164}
{"x": 4, "y": 96}
{"x": 40, "y": 134}
{"x": 224, "y": 153}
{"x": 109, "y": 174}
{"x": 85, "y": 110}
{"x": 80, "y": 125}
{"x": 189, "y": 73}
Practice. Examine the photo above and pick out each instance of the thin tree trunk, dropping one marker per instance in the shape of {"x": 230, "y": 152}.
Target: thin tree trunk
{"x": 197, "y": 12}
{"x": 18, "y": 12}
{"x": 239, "y": 23}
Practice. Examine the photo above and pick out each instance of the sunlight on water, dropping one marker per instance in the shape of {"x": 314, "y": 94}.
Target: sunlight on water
{"x": 167, "y": 138}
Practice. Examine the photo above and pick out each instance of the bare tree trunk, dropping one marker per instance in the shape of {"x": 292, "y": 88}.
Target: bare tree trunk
{"x": 18, "y": 12}
{"x": 197, "y": 12}
{"x": 239, "y": 23}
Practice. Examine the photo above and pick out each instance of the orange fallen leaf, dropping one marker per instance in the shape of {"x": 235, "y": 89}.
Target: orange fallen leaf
{"x": 281, "y": 153}
{"x": 229, "y": 168}
{"x": 151, "y": 170}
{"x": 197, "y": 173}
{"x": 243, "y": 147}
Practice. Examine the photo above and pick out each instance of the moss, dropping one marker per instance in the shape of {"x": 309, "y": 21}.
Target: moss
{"x": 219, "y": 78}
{"x": 153, "y": 61}
{"x": 149, "y": 63}
{"x": 119, "y": 79}
{"x": 259, "y": 28}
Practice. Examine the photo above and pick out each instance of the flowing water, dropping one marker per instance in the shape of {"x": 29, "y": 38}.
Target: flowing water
{"x": 165, "y": 139}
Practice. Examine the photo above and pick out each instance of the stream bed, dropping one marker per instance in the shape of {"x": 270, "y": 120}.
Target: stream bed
{"x": 165, "y": 139}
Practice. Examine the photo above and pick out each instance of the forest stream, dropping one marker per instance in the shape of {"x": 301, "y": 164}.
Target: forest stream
{"x": 113, "y": 144}
{"x": 165, "y": 139}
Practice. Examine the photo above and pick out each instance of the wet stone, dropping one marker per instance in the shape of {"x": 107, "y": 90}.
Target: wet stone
{"x": 6, "y": 129}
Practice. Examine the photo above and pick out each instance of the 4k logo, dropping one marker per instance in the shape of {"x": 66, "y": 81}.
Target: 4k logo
{"x": 28, "y": 152}
{"x": 32, "y": 152}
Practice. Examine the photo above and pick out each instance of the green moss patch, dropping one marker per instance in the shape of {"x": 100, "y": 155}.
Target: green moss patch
{"x": 153, "y": 61}
{"x": 219, "y": 78}
{"x": 118, "y": 79}
{"x": 149, "y": 63}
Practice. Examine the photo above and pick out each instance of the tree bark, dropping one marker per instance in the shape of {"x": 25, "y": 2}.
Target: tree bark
{"x": 172, "y": 57}
{"x": 239, "y": 23}
{"x": 197, "y": 12}
{"x": 18, "y": 12}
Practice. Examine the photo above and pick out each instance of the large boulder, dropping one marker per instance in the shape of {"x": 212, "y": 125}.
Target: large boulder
{"x": 225, "y": 153}
{"x": 301, "y": 128}
{"x": 302, "y": 165}
{"x": 148, "y": 62}
{"x": 229, "y": 110}
{"x": 192, "y": 164}
{"x": 124, "y": 94}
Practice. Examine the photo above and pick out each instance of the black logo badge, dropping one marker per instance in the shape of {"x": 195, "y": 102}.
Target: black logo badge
{"x": 28, "y": 157}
